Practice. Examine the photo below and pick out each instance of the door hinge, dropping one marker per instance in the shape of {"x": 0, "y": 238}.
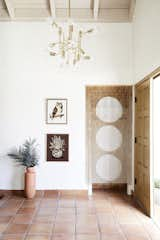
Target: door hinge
{"x": 135, "y": 99}
{"x": 135, "y": 181}
{"x": 135, "y": 140}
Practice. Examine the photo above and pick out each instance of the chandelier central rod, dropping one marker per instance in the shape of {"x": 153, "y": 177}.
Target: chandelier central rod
{"x": 69, "y": 9}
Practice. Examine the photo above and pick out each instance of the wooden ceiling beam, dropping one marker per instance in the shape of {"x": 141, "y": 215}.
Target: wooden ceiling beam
{"x": 132, "y": 9}
{"x": 10, "y": 8}
{"x": 52, "y": 8}
{"x": 96, "y": 8}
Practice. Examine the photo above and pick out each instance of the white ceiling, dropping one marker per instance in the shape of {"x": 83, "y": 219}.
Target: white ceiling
{"x": 81, "y": 10}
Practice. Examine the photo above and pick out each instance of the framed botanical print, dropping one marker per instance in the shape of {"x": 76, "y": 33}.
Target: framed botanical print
{"x": 56, "y": 112}
{"x": 57, "y": 147}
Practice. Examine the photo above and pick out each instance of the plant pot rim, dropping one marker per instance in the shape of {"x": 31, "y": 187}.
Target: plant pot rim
{"x": 30, "y": 169}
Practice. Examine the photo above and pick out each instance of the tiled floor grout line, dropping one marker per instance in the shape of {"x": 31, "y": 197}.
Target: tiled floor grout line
{"x": 98, "y": 224}
{"x": 149, "y": 236}
{"x": 119, "y": 225}
{"x": 54, "y": 222}
{"x": 31, "y": 222}
{"x": 116, "y": 221}
{"x": 116, "y": 204}
{"x": 11, "y": 220}
{"x": 75, "y": 220}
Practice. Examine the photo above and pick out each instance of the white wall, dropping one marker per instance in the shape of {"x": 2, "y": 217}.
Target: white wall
{"x": 146, "y": 37}
{"x": 28, "y": 75}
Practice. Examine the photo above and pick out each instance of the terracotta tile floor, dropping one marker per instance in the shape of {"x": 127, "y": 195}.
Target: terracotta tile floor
{"x": 53, "y": 215}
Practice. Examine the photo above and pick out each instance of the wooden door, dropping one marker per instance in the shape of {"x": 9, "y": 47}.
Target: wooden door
{"x": 142, "y": 144}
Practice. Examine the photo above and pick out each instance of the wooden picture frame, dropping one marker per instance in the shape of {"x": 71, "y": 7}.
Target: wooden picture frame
{"x": 57, "y": 147}
{"x": 56, "y": 111}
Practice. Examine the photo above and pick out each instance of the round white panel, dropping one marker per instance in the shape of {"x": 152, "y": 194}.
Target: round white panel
{"x": 108, "y": 167}
{"x": 109, "y": 109}
{"x": 109, "y": 138}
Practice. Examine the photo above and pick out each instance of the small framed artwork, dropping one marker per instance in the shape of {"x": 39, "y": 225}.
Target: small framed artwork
{"x": 56, "y": 112}
{"x": 57, "y": 147}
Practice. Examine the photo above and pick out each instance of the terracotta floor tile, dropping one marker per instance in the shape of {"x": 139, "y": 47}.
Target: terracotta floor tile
{"x": 87, "y": 237}
{"x": 85, "y": 219}
{"x": 134, "y": 231}
{"x": 37, "y": 237}
{"x": 13, "y": 203}
{"x": 5, "y": 219}
{"x": 64, "y": 227}
{"x": 39, "y": 194}
{"x": 44, "y": 219}
{"x": 49, "y": 200}
{"x": 128, "y": 218}
{"x": 51, "y": 194}
{"x": 66, "y": 210}
{"x": 68, "y": 217}
{"x": 16, "y": 229}
{"x": 86, "y": 210}
{"x": 109, "y": 229}
{"x": 83, "y": 228}
{"x": 47, "y": 211}
{"x": 23, "y": 218}
{"x": 12, "y": 237}
{"x": 112, "y": 215}
{"x": 85, "y": 204}
{"x": 8, "y": 211}
{"x": 104, "y": 218}
{"x": 113, "y": 237}
{"x": 63, "y": 237}
{"x": 132, "y": 237}
{"x": 40, "y": 228}
{"x": 3, "y": 227}
{"x": 66, "y": 204}
{"x": 152, "y": 229}
{"x": 28, "y": 210}
{"x": 30, "y": 204}
{"x": 46, "y": 204}
{"x": 67, "y": 197}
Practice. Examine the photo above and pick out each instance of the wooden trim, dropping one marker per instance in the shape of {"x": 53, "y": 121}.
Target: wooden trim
{"x": 143, "y": 82}
{"x": 132, "y": 9}
{"x": 10, "y": 8}
{"x": 156, "y": 76}
{"x": 110, "y": 186}
{"x": 153, "y": 74}
{"x": 118, "y": 85}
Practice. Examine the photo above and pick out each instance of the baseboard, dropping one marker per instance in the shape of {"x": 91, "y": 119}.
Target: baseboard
{"x": 41, "y": 193}
{"x": 109, "y": 186}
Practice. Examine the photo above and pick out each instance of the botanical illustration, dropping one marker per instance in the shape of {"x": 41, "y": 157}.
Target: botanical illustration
{"x": 57, "y": 147}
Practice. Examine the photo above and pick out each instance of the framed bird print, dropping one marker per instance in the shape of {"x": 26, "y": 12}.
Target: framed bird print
{"x": 57, "y": 147}
{"x": 56, "y": 112}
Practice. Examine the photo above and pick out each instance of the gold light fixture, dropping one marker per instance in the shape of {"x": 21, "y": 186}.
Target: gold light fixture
{"x": 69, "y": 43}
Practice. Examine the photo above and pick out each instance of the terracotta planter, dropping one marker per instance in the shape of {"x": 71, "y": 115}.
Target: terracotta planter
{"x": 30, "y": 182}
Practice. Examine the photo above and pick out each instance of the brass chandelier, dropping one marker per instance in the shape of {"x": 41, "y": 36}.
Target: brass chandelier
{"x": 69, "y": 43}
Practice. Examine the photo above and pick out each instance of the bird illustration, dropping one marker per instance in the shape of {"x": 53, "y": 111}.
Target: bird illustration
{"x": 57, "y": 111}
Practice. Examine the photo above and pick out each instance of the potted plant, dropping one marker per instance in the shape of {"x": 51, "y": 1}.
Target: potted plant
{"x": 26, "y": 155}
